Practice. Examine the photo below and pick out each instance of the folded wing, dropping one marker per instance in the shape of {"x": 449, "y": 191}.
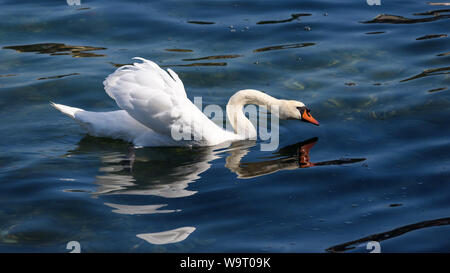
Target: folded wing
{"x": 151, "y": 95}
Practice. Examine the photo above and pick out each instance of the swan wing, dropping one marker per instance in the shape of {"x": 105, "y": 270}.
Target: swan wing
{"x": 151, "y": 95}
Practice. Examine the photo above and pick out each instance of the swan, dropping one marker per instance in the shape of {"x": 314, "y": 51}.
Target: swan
{"x": 154, "y": 105}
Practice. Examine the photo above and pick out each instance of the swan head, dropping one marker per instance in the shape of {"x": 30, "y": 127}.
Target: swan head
{"x": 292, "y": 109}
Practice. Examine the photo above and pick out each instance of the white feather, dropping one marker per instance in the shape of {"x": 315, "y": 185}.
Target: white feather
{"x": 154, "y": 105}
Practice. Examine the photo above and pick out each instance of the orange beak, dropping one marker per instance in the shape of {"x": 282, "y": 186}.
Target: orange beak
{"x": 308, "y": 118}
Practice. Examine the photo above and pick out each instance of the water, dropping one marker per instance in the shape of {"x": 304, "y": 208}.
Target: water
{"x": 376, "y": 169}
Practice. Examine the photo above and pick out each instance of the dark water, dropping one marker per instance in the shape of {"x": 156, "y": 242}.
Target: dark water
{"x": 376, "y": 169}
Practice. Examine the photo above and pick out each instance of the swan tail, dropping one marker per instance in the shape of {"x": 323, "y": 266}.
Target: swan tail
{"x": 66, "y": 110}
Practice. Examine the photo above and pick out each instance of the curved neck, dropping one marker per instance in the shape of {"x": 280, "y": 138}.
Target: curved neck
{"x": 241, "y": 124}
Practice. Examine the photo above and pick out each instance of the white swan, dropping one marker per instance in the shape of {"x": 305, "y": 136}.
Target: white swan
{"x": 154, "y": 104}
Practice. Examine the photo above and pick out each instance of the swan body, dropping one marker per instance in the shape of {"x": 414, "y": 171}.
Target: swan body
{"x": 155, "y": 106}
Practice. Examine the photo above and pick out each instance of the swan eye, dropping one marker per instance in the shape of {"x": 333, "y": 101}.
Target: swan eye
{"x": 305, "y": 113}
{"x": 302, "y": 109}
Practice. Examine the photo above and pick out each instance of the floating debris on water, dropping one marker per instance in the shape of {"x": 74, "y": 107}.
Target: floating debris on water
{"x": 81, "y": 54}
{"x": 58, "y": 76}
{"x": 58, "y": 49}
{"x": 375, "y": 32}
{"x": 432, "y": 36}
{"x": 433, "y": 12}
{"x": 76, "y": 191}
{"x": 395, "y": 205}
{"x": 444, "y": 54}
{"x": 429, "y": 72}
{"x": 8, "y": 75}
{"x": 283, "y": 47}
{"x": 350, "y": 83}
{"x": 178, "y": 50}
{"x": 437, "y": 89}
{"x": 293, "y": 17}
{"x": 389, "y": 234}
{"x": 214, "y": 57}
{"x": 201, "y": 22}
{"x": 307, "y": 28}
{"x": 395, "y": 19}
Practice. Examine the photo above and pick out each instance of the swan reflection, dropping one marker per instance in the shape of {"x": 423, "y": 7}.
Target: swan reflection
{"x": 131, "y": 210}
{"x": 287, "y": 158}
{"x": 167, "y": 172}
{"x": 163, "y": 172}
{"x": 167, "y": 237}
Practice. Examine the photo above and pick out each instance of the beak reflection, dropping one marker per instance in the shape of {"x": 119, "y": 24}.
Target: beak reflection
{"x": 287, "y": 158}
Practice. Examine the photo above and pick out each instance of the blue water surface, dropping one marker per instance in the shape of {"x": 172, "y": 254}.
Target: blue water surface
{"x": 377, "y": 168}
